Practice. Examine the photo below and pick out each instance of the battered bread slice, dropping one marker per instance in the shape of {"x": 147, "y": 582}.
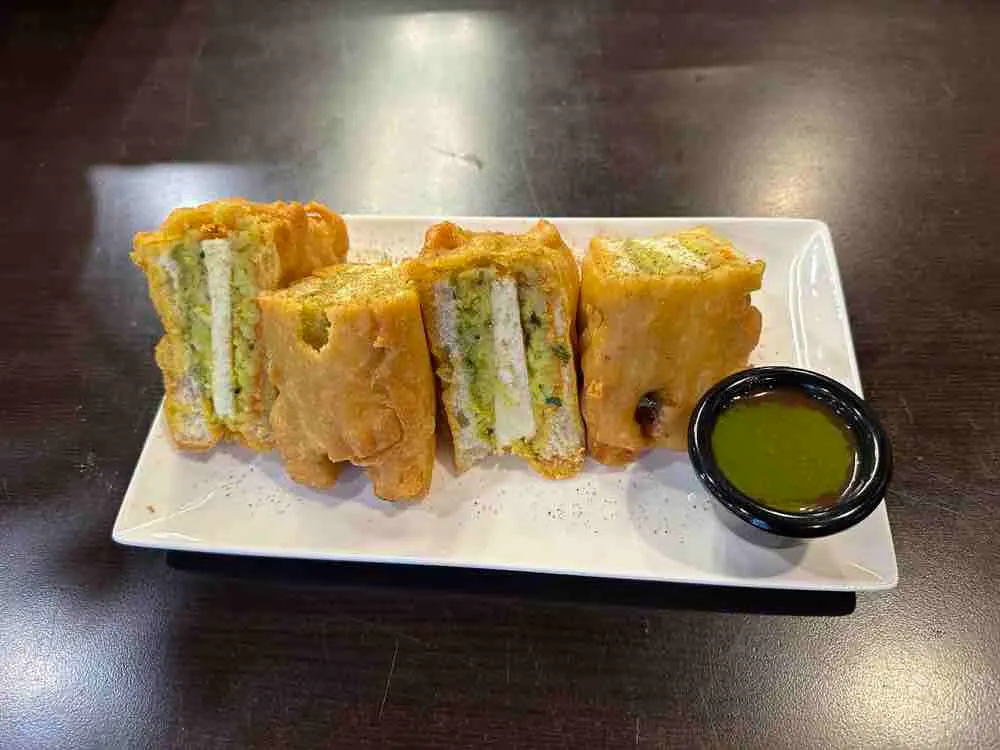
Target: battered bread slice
{"x": 661, "y": 320}
{"x": 499, "y": 312}
{"x": 348, "y": 356}
{"x": 205, "y": 267}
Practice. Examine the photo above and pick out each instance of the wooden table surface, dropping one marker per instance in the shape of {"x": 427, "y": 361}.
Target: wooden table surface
{"x": 883, "y": 119}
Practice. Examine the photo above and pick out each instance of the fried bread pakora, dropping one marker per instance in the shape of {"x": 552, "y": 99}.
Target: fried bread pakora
{"x": 661, "y": 320}
{"x": 204, "y": 267}
{"x": 499, "y": 310}
{"x": 348, "y": 356}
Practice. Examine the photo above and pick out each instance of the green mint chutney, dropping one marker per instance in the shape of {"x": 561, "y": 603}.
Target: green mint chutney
{"x": 785, "y": 450}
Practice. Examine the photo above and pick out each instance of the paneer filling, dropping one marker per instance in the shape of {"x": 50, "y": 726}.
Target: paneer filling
{"x": 514, "y": 418}
{"x": 218, "y": 257}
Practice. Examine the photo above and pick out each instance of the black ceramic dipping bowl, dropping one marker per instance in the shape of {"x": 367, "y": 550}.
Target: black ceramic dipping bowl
{"x": 861, "y": 495}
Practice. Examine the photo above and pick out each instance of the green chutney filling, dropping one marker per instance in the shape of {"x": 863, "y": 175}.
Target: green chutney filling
{"x": 660, "y": 255}
{"x": 545, "y": 353}
{"x": 195, "y": 308}
{"x": 474, "y": 313}
{"x": 313, "y": 322}
{"x": 314, "y": 296}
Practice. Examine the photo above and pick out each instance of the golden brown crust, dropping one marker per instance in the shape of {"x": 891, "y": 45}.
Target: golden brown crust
{"x": 671, "y": 335}
{"x": 303, "y": 238}
{"x": 542, "y": 246}
{"x": 183, "y": 410}
{"x": 555, "y": 468}
{"x": 189, "y": 414}
{"x": 366, "y": 396}
{"x": 292, "y": 241}
{"x": 538, "y": 257}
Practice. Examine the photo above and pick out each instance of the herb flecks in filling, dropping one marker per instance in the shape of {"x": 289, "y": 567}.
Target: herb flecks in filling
{"x": 475, "y": 341}
{"x": 546, "y": 354}
{"x": 195, "y": 310}
{"x": 658, "y": 255}
{"x": 246, "y": 315}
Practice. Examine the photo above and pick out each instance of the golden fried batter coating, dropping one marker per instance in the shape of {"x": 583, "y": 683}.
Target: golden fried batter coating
{"x": 348, "y": 357}
{"x": 290, "y": 240}
{"x": 658, "y": 327}
{"x": 542, "y": 244}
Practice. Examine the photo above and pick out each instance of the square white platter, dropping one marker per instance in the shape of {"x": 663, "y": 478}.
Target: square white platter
{"x": 649, "y": 521}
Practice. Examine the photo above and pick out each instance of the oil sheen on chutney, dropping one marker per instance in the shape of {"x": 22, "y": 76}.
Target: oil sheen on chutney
{"x": 784, "y": 450}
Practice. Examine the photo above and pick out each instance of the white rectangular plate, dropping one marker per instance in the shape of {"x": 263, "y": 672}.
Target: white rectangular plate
{"x": 650, "y": 521}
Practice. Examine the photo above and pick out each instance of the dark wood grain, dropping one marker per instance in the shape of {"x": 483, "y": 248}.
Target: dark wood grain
{"x": 881, "y": 118}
